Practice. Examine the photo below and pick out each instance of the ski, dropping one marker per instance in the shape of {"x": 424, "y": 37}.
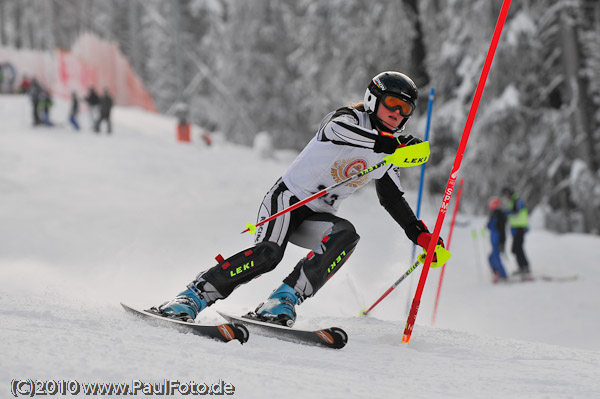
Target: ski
{"x": 534, "y": 277}
{"x": 557, "y": 278}
{"x": 333, "y": 337}
{"x": 223, "y": 332}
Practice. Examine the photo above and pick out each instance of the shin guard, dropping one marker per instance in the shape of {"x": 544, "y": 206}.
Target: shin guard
{"x": 241, "y": 268}
{"x": 313, "y": 271}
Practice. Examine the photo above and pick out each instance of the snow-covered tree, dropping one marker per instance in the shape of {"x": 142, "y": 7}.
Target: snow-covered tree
{"x": 280, "y": 65}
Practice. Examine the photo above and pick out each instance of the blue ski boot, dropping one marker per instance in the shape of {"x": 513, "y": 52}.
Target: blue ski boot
{"x": 280, "y": 306}
{"x": 185, "y": 306}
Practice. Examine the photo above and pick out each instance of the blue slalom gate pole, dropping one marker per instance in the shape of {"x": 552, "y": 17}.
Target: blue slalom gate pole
{"x": 422, "y": 179}
{"x": 365, "y": 312}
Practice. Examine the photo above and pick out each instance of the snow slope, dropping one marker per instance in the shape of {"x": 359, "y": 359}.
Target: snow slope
{"x": 88, "y": 221}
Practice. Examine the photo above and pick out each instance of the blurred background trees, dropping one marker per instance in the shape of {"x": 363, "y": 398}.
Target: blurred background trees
{"x": 281, "y": 65}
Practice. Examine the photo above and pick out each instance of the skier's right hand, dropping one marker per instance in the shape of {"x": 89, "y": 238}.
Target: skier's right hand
{"x": 385, "y": 142}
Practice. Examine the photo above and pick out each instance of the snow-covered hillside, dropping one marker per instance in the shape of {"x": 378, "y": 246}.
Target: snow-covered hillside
{"x": 88, "y": 221}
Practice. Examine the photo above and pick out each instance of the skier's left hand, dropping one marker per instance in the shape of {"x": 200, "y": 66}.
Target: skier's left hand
{"x": 425, "y": 238}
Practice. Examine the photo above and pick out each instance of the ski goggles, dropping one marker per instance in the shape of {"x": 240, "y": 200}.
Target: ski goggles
{"x": 395, "y": 103}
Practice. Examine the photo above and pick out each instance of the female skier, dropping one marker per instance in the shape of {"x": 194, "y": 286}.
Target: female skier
{"x": 348, "y": 141}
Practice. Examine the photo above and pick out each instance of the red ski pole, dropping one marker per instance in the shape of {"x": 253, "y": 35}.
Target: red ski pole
{"x": 250, "y": 227}
{"x": 412, "y": 316}
{"x": 439, "y": 289}
{"x": 443, "y": 255}
{"x": 392, "y": 288}
{"x": 403, "y": 157}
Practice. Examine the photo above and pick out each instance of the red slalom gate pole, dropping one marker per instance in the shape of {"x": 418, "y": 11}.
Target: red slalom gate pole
{"x": 439, "y": 289}
{"x": 412, "y": 316}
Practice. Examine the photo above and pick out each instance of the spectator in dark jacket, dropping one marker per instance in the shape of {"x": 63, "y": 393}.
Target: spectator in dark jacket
{"x": 74, "y": 111}
{"x": 518, "y": 219}
{"x": 34, "y": 95}
{"x": 106, "y": 103}
{"x": 93, "y": 101}
{"x": 44, "y": 105}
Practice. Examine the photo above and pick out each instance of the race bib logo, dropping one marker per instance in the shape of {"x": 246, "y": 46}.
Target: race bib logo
{"x": 344, "y": 169}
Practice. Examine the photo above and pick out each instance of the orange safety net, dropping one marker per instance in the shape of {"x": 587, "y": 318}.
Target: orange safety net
{"x": 91, "y": 62}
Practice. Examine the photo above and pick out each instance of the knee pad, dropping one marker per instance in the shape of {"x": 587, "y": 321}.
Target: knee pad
{"x": 242, "y": 267}
{"x": 313, "y": 271}
{"x": 343, "y": 226}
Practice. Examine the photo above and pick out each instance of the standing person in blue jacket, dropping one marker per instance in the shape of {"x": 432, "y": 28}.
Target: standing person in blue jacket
{"x": 497, "y": 227}
{"x": 349, "y": 139}
{"x": 518, "y": 219}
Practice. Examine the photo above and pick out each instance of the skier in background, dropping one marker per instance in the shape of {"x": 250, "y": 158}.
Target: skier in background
{"x": 106, "y": 103}
{"x": 497, "y": 227}
{"x": 518, "y": 219}
{"x": 349, "y": 140}
{"x": 74, "y": 111}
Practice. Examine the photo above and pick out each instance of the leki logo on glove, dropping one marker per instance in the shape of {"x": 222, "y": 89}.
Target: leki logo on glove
{"x": 348, "y": 167}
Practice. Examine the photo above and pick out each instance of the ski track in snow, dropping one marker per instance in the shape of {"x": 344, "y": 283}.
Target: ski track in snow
{"x": 88, "y": 221}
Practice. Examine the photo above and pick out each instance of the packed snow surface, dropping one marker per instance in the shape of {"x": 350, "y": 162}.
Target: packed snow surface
{"x": 90, "y": 220}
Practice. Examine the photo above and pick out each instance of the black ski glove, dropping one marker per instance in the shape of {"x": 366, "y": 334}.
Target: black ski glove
{"x": 409, "y": 140}
{"x": 385, "y": 142}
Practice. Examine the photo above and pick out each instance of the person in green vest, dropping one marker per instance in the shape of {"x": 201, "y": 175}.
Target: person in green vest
{"x": 518, "y": 220}
{"x": 44, "y": 106}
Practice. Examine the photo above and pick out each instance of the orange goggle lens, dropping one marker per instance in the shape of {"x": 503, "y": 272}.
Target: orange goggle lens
{"x": 393, "y": 103}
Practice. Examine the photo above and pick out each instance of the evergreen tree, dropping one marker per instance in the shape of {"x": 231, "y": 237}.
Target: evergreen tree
{"x": 280, "y": 66}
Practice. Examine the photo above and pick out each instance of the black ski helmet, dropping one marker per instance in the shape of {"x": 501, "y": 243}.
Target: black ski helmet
{"x": 390, "y": 82}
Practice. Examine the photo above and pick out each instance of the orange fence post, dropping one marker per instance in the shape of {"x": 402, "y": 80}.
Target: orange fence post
{"x": 183, "y": 133}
